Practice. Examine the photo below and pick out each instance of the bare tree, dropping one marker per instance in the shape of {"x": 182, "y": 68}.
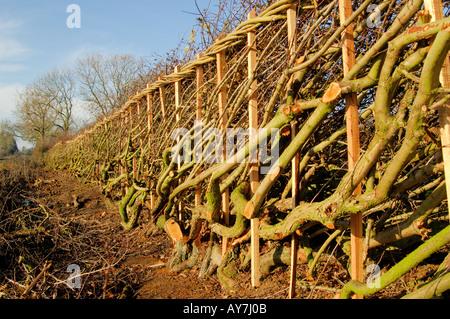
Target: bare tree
{"x": 8, "y": 145}
{"x": 106, "y": 82}
{"x": 60, "y": 86}
{"x": 45, "y": 107}
{"x": 35, "y": 114}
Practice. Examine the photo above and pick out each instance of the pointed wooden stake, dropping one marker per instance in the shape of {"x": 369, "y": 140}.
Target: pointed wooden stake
{"x": 292, "y": 45}
{"x": 293, "y": 272}
{"x": 177, "y": 95}
{"x": 149, "y": 128}
{"x": 149, "y": 112}
{"x": 221, "y": 71}
{"x": 163, "y": 101}
{"x": 198, "y": 117}
{"x": 177, "y": 119}
{"x": 254, "y": 169}
{"x": 348, "y": 60}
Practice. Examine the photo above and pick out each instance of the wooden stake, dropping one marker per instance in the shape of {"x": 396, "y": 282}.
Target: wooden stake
{"x": 221, "y": 71}
{"x": 124, "y": 121}
{"x": 177, "y": 119}
{"x": 149, "y": 127}
{"x": 149, "y": 111}
{"x": 291, "y": 14}
{"x": 138, "y": 108}
{"x": 293, "y": 272}
{"x": 436, "y": 11}
{"x": 254, "y": 169}
{"x": 163, "y": 101}
{"x": 177, "y": 95}
{"x": 138, "y": 111}
{"x": 292, "y": 45}
{"x": 348, "y": 60}
{"x": 198, "y": 117}
{"x": 134, "y": 158}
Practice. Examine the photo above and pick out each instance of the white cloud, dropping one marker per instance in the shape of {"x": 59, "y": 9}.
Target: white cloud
{"x": 10, "y": 47}
{"x": 70, "y": 58}
{"x": 7, "y": 25}
{"x": 13, "y": 67}
{"x": 8, "y": 95}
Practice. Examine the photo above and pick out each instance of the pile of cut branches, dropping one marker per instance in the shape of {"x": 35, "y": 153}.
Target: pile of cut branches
{"x": 41, "y": 246}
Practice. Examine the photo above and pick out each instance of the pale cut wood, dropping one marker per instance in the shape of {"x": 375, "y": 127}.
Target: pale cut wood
{"x": 177, "y": 95}
{"x": 241, "y": 239}
{"x": 174, "y": 230}
{"x": 291, "y": 18}
{"x": 436, "y": 12}
{"x": 122, "y": 167}
{"x": 293, "y": 270}
{"x": 332, "y": 93}
{"x": 134, "y": 158}
{"x": 254, "y": 169}
{"x": 152, "y": 199}
{"x": 348, "y": 61}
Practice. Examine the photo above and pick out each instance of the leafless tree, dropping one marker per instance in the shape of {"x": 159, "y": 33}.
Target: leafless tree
{"x": 35, "y": 116}
{"x": 106, "y": 82}
{"x": 60, "y": 86}
{"x": 45, "y": 107}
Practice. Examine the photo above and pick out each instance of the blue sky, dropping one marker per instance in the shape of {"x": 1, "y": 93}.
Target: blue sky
{"x": 34, "y": 36}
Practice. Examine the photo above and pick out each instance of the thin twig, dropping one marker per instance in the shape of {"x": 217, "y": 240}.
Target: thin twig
{"x": 47, "y": 265}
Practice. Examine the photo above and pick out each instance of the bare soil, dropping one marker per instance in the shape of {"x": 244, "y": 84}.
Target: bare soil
{"x": 132, "y": 264}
